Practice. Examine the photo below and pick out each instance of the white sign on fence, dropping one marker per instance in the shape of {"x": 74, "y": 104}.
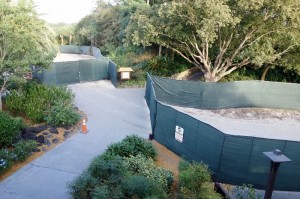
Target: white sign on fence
{"x": 179, "y": 133}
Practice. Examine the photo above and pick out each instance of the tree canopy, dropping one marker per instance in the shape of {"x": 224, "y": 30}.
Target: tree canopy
{"x": 221, "y": 36}
{"x": 24, "y": 39}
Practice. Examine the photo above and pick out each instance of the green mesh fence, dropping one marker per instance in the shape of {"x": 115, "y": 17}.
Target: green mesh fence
{"x": 232, "y": 159}
{"x": 227, "y": 95}
{"x": 112, "y": 73}
{"x": 69, "y": 72}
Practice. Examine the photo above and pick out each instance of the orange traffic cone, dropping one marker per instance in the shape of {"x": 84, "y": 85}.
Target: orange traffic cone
{"x": 84, "y": 127}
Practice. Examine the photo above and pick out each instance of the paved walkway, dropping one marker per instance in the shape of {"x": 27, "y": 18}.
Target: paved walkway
{"x": 112, "y": 114}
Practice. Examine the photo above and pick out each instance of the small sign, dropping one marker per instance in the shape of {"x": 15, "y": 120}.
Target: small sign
{"x": 179, "y": 133}
{"x": 125, "y": 75}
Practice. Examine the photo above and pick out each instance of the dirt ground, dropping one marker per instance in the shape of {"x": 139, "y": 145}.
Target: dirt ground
{"x": 258, "y": 113}
{"x": 168, "y": 160}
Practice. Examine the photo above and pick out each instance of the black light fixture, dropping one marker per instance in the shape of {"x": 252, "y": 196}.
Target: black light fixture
{"x": 276, "y": 158}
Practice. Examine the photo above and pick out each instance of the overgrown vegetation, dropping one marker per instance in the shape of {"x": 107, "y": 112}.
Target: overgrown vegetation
{"x": 128, "y": 174}
{"x": 195, "y": 181}
{"x": 132, "y": 146}
{"x": 9, "y": 129}
{"x": 43, "y": 103}
{"x": 155, "y": 37}
{"x": 37, "y": 102}
{"x": 18, "y": 153}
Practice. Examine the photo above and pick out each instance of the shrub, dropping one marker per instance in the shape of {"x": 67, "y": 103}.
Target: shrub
{"x": 82, "y": 186}
{"x": 139, "y": 165}
{"x": 6, "y": 160}
{"x": 9, "y": 129}
{"x": 164, "y": 66}
{"x": 132, "y": 146}
{"x": 138, "y": 186}
{"x": 110, "y": 172}
{"x": 195, "y": 181}
{"x": 35, "y": 100}
{"x": 102, "y": 179}
{"x": 60, "y": 114}
{"x": 23, "y": 149}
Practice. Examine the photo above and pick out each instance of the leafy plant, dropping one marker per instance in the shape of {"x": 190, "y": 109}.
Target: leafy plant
{"x": 138, "y": 186}
{"x": 132, "y": 146}
{"x": 140, "y": 165}
{"x": 35, "y": 100}
{"x": 82, "y": 186}
{"x": 62, "y": 115}
{"x": 6, "y": 158}
{"x": 164, "y": 66}
{"x": 9, "y": 129}
{"x": 245, "y": 192}
{"x": 195, "y": 181}
{"x": 23, "y": 149}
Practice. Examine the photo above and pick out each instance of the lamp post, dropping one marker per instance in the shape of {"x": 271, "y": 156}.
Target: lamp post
{"x": 276, "y": 158}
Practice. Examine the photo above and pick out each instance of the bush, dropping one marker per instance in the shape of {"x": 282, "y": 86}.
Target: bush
{"x": 139, "y": 165}
{"x": 60, "y": 114}
{"x": 110, "y": 172}
{"x": 35, "y": 100}
{"x": 138, "y": 186}
{"x": 6, "y": 160}
{"x": 132, "y": 146}
{"x": 101, "y": 180}
{"x": 195, "y": 181}
{"x": 23, "y": 149}
{"x": 9, "y": 129}
{"x": 164, "y": 66}
{"x": 82, "y": 186}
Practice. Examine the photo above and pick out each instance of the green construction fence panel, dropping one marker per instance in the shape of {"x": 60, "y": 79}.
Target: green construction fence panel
{"x": 49, "y": 75}
{"x": 67, "y": 72}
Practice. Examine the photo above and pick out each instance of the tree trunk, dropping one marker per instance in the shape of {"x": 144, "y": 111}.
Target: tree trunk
{"x": 148, "y": 2}
{"x": 263, "y": 76}
{"x": 159, "y": 50}
{"x": 70, "y": 39}
{"x": 0, "y": 102}
{"x": 209, "y": 77}
{"x": 61, "y": 39}
{"x": 172, "y": 55}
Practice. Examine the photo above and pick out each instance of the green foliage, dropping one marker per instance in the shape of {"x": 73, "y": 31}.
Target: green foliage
{"x": 81, "y": 187}
{"x": 164, "y": 66}
{"x": 19, "y": 153}
{"x": 140, "y": 165}
{"x": 60, "y": 114}
{"x": 195, "y": 181}
{"x": 36, "y": 101}
{"x": 25, "y": 40}
{"x": 109, "y": 171}
{"x": 242, "y": 74}
{"x": 245, "y": 192}
{"x": 23, "y": 149}
{"x": 6, "y": 160}
{"x": 112, "y": 176}
{"x": 131, "y": 146}
{"x": 221, "y": 36}
{"x": 137, "y": 186}
{"x": 9, "y": 129}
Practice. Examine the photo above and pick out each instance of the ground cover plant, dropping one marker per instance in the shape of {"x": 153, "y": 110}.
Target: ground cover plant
{"x": 195, "y": 181}
{"x": 43, "y": 103}
{"x": 131, "y": 174}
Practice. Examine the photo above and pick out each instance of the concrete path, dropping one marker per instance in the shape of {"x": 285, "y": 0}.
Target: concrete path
{"x": 112, "y": 114}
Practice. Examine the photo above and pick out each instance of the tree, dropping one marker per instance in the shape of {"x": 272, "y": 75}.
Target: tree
{"x": 220, "y": 36}
{"x": 24, "y": 40}
{"x": 64, "y": 33}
